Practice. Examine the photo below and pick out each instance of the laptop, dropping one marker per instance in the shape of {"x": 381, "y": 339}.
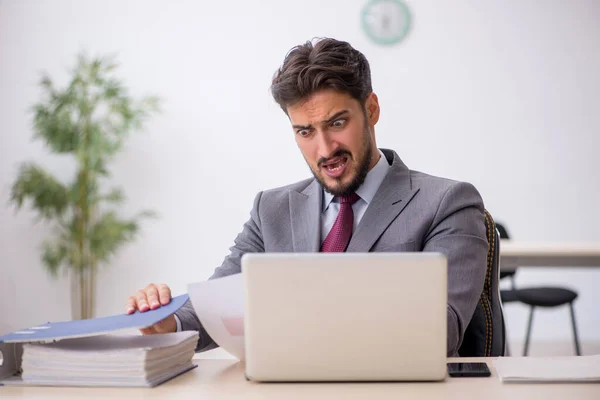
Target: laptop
{"x": 345, "y": 316}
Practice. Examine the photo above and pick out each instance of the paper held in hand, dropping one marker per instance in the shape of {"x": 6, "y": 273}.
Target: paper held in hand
{"x": 219, "y": 304}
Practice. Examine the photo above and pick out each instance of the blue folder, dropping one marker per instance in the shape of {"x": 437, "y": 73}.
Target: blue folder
{"x": 10, "y": 349}
{"x": 53, "y": 331}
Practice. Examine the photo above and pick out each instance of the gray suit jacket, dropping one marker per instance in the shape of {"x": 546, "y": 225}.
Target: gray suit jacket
{"x": 411, "y": 211}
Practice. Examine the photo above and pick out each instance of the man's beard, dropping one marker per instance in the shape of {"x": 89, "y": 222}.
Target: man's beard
{"x": 360, "y": 169}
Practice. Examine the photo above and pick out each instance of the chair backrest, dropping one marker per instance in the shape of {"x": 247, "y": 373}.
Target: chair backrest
{"x": 504, "y": 235}
{"x": 502, "y": 231}
{"x": 485, "y": 334}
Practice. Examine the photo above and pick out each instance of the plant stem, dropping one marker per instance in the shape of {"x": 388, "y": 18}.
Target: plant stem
{"x": 84, "y": 215}
{"x": 92, "y": 293}
{"x": 81, "y": 294}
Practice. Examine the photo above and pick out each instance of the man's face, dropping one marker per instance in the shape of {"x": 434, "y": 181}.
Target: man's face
{"x": 336, "y": 138}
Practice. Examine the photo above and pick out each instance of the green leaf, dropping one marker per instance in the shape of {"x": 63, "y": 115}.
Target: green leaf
{"x": 112, "y": 89}
{"x": 109, "y": 234}
{"x": 55, "y": 125}
{"x": 46, "y": 83}
{"x": 53, "y": 256}
{"x": 101, "y": 145}
{"x": 116, "y": 195}
{"x": 50, "y": 198}
{"x": 147, "y": 214}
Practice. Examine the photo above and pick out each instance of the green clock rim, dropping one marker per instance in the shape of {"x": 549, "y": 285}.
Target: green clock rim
{"x": 395, "y": 39}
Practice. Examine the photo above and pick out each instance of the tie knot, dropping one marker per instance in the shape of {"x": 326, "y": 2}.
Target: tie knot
{"x": 350, "y": 199}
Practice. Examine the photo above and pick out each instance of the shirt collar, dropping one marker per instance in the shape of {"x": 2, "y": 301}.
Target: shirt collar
{"x": 367, "y": 190}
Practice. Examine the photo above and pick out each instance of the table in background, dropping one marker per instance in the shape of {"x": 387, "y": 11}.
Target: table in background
{"x": 515, "y": 254}
{"x": 224, "y": 379}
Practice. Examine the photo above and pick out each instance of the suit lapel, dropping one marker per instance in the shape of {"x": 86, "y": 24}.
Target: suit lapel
{"x": 305, "y": 214}
{"x": 393, "y": 195}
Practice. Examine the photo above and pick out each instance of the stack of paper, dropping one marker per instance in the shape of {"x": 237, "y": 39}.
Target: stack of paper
{"x": 548, "y": 369}
{"x": 109, "y": 360}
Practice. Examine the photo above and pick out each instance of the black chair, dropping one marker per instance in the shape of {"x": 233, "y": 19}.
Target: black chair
{"x": 510, "y": 295}
{"x": 485, "y": 334}
{"x": 537, "y": 297}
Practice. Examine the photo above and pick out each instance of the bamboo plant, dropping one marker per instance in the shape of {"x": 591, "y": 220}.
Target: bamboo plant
{"x": 87, "y": 120}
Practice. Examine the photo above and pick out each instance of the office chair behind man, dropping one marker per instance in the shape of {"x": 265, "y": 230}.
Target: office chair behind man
{"x": 485, "y": 334}
{"x": 538, "y": 297}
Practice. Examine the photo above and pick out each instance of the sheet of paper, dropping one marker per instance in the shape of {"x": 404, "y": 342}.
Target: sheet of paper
{"x": 116, "y": 343}
{"x": 549, "y": 369}
{"x": 219, "y": 304}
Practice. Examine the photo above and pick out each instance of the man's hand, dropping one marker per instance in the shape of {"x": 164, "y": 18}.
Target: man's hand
{"x": 151, "y": 298}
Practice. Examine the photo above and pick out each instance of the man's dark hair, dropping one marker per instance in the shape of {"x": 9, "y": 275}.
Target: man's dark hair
{"x": 328, "y": 64}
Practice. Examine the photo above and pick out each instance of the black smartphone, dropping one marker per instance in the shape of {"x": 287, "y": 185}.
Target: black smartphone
{"x": 469, "y": 369}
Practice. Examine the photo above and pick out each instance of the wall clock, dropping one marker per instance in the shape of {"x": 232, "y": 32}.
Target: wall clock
{"x": 386, "y": 22}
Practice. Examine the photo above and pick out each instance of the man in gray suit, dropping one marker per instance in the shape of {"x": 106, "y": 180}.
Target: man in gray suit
{"x": 361, "y": 198}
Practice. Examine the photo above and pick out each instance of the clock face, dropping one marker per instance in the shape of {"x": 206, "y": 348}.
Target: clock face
{"x": 386, "y": 21}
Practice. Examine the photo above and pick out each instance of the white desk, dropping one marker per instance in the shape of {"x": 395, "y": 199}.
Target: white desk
{"x": 224, "y": 379}
{"x": 517, "y": 254}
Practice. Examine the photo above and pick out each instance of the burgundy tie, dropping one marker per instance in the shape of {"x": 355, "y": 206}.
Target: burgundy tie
{"x": 341, "y": 231}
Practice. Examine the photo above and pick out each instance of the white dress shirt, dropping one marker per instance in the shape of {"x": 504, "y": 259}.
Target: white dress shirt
{"x": 331, "y": 204}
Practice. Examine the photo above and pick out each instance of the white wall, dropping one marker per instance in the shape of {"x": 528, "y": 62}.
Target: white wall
{"x": 504, "y": 94}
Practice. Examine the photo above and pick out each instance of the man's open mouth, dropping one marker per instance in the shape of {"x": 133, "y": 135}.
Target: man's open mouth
{"x": 336, "y": 166}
